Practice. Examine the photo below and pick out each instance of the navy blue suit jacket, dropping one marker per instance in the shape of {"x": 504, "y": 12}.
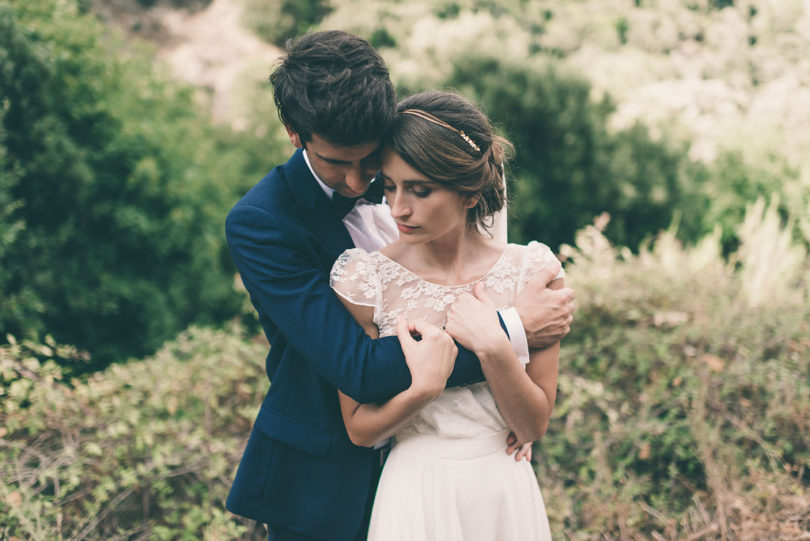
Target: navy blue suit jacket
{"x": 299, "y": 470}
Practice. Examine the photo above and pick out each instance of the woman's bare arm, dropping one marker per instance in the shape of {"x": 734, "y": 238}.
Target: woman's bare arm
{"x": 525, "y": 397}
{"x": 430, "y": 361}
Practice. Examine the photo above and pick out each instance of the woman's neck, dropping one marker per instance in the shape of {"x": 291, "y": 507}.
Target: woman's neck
{"x": 451, "y": 260}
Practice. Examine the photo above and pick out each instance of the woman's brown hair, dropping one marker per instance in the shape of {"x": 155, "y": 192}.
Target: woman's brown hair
{"x": 450, "y": 141}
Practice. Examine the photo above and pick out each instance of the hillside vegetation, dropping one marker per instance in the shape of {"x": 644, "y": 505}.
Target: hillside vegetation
{"x": 661, "y": 150}
{"x": 683, "y": 410}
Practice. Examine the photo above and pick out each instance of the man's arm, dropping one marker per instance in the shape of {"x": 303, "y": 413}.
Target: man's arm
{"x": 287, "y": 286}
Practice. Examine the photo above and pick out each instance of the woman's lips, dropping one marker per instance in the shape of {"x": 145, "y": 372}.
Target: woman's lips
{"x": 406, "y": 228}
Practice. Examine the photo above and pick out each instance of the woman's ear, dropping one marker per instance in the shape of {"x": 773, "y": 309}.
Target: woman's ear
{"x": 472, "y": 200}
{"x": 295, "y": 139}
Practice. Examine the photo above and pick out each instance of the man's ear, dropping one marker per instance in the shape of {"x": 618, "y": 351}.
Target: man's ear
{"x": 295, "y": 139}
{"x": 472, "y": 200}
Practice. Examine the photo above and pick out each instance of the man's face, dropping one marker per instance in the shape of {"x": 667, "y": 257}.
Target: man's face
{"x": 347, "y": 170}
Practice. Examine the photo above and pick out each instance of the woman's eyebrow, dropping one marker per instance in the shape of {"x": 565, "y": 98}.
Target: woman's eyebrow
{"x": 409, "y": 182}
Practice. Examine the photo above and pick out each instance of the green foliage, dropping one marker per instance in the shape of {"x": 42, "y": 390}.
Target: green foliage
{"x": 381, "y": 38}
{"x": 569, "y": 167}
{"x": 723, "y": 81}
{"x": 734, "y": 182}
{"x": 683, "y": 410}
{"x": 145, "y": 450}
{"x": 276, "y": 21}
{"x": 114, "y": 187}
{"x": 684, "y": 394}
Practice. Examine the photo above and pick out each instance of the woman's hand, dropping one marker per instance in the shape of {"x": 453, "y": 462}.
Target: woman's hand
{"x": 430, "y": 359}
{"x": 473, "y": 321}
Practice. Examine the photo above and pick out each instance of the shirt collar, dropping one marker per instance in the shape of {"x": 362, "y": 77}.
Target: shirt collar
{"x": 326, "y": 189}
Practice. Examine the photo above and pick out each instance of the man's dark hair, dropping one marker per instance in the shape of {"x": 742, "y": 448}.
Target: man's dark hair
{"x": 335, "y": 85}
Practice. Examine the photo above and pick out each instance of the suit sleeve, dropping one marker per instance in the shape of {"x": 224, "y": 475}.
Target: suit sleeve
{"x": 286, "y": 285}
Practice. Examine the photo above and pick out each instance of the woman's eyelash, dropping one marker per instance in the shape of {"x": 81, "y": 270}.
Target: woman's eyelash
{"x": 418, "y": 192}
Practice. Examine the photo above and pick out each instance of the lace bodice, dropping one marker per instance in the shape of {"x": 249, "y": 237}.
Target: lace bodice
{"x": 372, "y": 279}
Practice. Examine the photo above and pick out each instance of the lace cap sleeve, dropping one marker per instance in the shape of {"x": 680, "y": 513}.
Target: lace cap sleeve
{"x": 354, "y": 278}
{"x": 536, "y": 256}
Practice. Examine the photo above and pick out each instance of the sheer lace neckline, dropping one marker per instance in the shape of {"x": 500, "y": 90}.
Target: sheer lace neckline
{"x": 465, "y": 284}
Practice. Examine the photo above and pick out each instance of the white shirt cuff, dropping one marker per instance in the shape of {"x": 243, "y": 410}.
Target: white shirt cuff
{"x": 517, "y": 335}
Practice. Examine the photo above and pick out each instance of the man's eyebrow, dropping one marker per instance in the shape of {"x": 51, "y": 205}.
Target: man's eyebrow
{"x": 343, "y": 162}
{"x": 331, "y": 160}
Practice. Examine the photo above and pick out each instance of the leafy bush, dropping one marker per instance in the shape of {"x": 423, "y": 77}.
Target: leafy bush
{"x": 734, "y": 181}
{"x": 683, "y": 410}
{"x": 684, "y": 396}
{"x": 276, "y": 21}
{"x": 145, "y": 450}
{"x": 569, "y": 167}
{"x": 114, "y": 186}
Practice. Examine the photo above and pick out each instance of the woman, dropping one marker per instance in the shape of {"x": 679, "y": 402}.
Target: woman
{"x": 447, "y": 476}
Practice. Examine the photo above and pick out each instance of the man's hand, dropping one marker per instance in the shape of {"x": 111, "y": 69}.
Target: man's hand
{"x": 520, "y": 451}
{"x": 546, "y": 313}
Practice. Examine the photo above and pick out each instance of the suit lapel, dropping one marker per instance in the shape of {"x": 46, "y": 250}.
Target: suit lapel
{"x": 315, "y": 207}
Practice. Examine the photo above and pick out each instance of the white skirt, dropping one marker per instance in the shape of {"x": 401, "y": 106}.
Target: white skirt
{"x": 457, "y": 490}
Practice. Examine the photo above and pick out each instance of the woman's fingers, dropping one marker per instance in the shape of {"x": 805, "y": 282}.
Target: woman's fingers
{"x": 424, "y": 328}
{"x": 403, "y": 331}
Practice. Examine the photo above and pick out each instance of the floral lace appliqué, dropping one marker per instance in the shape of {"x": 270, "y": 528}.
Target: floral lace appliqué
{"x": 372, "y": 279}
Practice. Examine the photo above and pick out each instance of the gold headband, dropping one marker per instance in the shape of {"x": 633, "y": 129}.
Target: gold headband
{"x": 440, "y": 122}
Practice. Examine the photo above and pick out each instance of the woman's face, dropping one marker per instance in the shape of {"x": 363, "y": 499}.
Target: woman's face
{"x": 424, "y": 210}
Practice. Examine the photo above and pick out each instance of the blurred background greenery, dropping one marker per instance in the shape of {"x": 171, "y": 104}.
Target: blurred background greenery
{"x": 662, "y": 150}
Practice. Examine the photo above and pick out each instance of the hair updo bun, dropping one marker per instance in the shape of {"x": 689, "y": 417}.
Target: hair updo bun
{"x": 447, "y": 139}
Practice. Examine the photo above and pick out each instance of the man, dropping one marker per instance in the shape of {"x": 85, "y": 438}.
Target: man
{"x": 300, "y": 474}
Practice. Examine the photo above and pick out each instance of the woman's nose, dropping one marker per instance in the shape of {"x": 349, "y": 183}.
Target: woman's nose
{"x": 399, "y": 208}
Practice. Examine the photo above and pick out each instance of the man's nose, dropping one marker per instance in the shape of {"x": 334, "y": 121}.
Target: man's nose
{"x": 358, "y": 180}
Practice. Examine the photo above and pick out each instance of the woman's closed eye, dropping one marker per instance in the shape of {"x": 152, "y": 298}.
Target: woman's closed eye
{"x": 417, "y": 190}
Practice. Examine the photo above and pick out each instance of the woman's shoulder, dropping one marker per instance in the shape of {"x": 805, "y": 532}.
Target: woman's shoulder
{"x": 354, "y": 277}
{"x": 533, "y": 257}
{"x": 354, "y": 261}
{"x": 532, "y": 249}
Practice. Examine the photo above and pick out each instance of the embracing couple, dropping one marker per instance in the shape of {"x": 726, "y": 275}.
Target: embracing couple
{"x": 413, "y": 353}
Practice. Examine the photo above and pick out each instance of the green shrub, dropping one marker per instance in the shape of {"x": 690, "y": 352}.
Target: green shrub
{"x": 276, "y": 21}
{"x": 145, "y": 450}
{"x": 683, "y": 409}
{"x": 684, "y": 392}
{"x": 114, "y": 185}
{"x": 569, "y": 167}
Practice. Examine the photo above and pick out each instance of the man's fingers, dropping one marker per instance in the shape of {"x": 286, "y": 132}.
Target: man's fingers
{"x": 511, "y": 443}
{"x": 567, "y": 294}
{"x": 549, "y": 272}
{"x": 524, "y": 452}
{"x": 480, "y": 294}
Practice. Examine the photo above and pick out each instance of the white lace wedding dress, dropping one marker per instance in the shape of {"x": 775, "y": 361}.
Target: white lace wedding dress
{"x": 448, "y": 476}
